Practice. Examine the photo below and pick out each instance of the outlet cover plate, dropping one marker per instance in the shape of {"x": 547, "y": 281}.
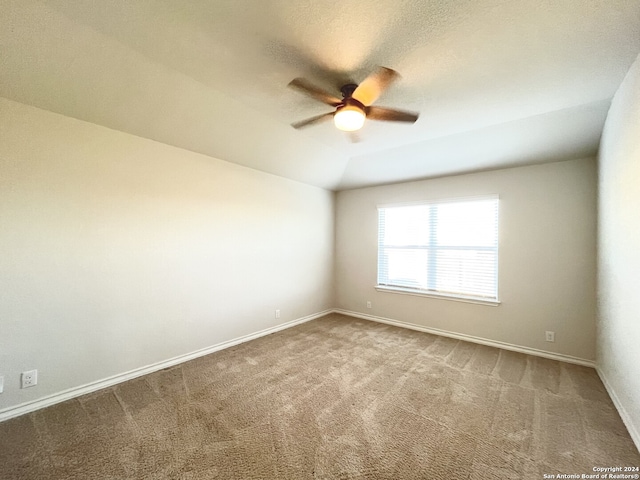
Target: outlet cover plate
{"x": 29, "y": 379}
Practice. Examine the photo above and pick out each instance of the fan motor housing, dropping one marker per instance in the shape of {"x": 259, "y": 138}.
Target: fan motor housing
{"x": 350, "y": 101}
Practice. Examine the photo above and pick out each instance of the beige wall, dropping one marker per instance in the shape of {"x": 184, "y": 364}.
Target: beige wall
{"x": 619, "y": 251}
{"x": 117, "y": 252}
{"x": 547, "y": 257}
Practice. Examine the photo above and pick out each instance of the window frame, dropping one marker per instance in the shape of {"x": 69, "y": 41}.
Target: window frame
{"x": 403, "y": 290}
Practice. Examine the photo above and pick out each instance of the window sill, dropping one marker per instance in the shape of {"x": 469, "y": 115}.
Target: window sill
{"x": 443, "y": 296}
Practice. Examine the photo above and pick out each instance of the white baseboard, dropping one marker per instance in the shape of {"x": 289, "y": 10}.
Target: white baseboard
{"x": 49, "y": 400}
{"x": 626, "y": 418}
{"x": 471, "y": 338}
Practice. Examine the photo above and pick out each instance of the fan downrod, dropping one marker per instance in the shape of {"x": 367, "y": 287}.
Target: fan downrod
{"x": 348, "y": 89}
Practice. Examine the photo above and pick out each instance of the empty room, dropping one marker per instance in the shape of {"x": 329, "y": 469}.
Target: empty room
{"x": 319, "y": 239}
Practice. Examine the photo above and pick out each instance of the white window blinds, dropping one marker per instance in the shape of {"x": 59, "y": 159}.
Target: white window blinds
{"x": 448, "y": 248}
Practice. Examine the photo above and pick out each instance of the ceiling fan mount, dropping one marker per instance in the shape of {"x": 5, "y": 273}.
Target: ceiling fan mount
{"x": 355, "y": 106}
{"x": 348, "y": 89}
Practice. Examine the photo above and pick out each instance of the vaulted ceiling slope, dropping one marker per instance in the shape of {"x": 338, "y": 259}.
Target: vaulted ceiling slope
{"x": 496, "y": 83}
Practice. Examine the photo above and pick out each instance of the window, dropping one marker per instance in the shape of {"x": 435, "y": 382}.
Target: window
{"x": 447, "y": 248}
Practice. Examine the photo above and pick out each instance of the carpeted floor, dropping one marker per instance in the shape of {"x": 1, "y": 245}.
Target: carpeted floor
{"x": 335, "y": 398}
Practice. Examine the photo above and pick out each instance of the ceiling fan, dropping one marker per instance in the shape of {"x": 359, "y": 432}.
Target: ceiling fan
{"x": 355, "y": 106}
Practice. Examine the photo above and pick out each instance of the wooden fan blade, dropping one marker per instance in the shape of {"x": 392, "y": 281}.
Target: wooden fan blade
{"x": 312, "y": 120}
{"x": 305, "y": 87}
{"x": 390, "y": 115}
{"x": 373, "y": 86}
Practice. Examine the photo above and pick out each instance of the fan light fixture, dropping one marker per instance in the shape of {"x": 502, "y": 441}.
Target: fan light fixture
{"x": 349, "y": 118}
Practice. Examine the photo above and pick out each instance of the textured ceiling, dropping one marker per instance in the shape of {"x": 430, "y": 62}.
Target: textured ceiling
{"x": 497, "y": 83}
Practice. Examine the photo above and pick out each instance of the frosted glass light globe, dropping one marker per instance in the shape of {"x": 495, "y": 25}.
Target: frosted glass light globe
{"x": 349, "y": 118}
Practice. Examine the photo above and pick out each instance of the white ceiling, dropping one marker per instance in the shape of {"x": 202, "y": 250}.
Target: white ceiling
{"x": 497, "y": 82}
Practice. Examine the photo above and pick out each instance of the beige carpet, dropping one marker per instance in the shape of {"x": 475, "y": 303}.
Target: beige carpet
{"x": 335, "y": 398}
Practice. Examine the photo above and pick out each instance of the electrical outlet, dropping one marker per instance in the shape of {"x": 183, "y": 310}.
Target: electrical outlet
{"x": 278, "y": 313}
{"x": 550, "y": 336}
{"x": 368, "y": 304}
{"x": 1, "y": 384}
{"x": 29, "y": 379}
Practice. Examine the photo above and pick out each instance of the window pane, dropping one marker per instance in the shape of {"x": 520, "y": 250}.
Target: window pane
{"x": 407, "y": 267}
{"x": 469, "y": 272}
{"x": 406, "y": 226}
{"x": 467, "y": 223}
